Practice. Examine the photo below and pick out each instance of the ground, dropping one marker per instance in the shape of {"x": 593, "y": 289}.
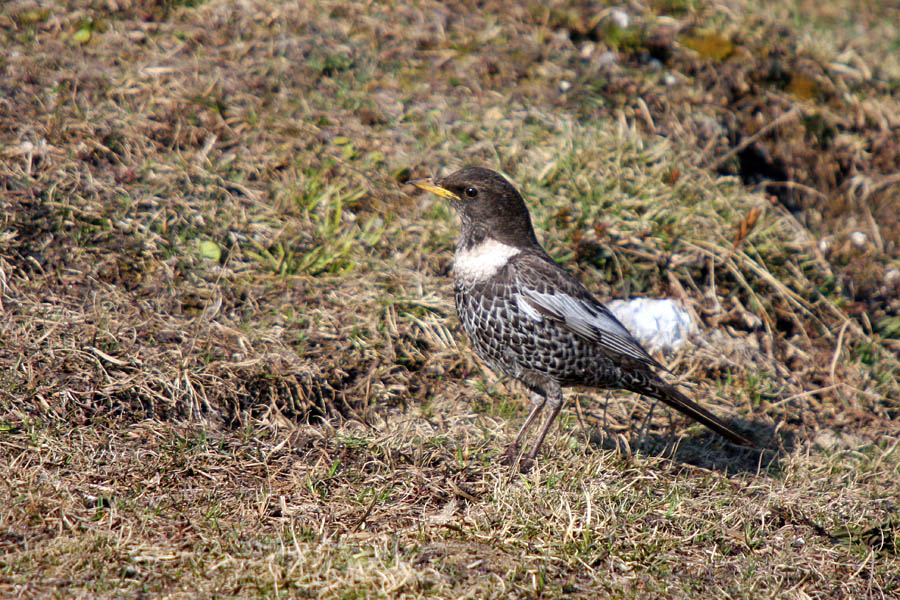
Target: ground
{"x": 229, "y": 362}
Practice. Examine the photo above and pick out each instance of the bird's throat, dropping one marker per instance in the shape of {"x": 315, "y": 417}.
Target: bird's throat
{"x": 482, "y": 260}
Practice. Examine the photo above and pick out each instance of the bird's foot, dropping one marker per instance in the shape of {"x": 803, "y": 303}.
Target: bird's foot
{"x": 512, "y": 458}
{"x": 525, "y": 465}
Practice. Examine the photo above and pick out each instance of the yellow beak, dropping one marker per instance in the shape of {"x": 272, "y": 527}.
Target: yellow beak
{"x": 429, "y": 186}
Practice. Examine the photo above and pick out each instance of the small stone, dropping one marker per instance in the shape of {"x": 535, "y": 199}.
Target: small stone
{"x": 858, "y": 239}
{"x": 620, "y": 18}
{"x": 564, "y": 86}
{"x": 493, "y": 114}
{"x": 892, "y": 277}
{"x": 587, "y": 51}
{"x": 606, "y": 59}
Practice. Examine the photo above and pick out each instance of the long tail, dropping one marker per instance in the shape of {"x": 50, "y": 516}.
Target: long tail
{"x": 670, "y": 395}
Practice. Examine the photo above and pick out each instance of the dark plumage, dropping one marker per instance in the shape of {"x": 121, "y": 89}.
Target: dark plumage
{"x": 531, "y": 320}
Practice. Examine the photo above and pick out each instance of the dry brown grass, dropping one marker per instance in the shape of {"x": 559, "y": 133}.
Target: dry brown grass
{"x": 229, "y": 364}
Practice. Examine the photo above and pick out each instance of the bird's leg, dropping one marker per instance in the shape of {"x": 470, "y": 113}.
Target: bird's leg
{"x": 538, "y": 400}
{"x": 554, "y": 398}
{"x": 605, "y": 429}
{"x": 645, "y": 426}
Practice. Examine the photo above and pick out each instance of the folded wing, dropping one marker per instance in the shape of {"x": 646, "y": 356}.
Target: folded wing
{"x": 554, "y": 294}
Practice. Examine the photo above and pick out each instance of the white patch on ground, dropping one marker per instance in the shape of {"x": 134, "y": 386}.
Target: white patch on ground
{"x": 658, "y": 324}
{"x": 482, "y": 261}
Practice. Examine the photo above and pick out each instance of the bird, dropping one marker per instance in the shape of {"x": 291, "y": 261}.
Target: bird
{"x": 531, "y": 320}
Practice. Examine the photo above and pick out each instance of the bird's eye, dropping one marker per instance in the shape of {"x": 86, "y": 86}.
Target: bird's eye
{"x": 471, "y": 192}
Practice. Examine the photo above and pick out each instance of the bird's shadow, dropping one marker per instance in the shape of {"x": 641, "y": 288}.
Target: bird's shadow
{"x": 704, "y": 449}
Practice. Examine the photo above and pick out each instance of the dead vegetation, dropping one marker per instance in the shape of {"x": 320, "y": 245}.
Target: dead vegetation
{"x": 229, "y": 363}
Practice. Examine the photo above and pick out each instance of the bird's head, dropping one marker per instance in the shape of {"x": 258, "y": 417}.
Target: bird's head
{"x": 488, "y": 204}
